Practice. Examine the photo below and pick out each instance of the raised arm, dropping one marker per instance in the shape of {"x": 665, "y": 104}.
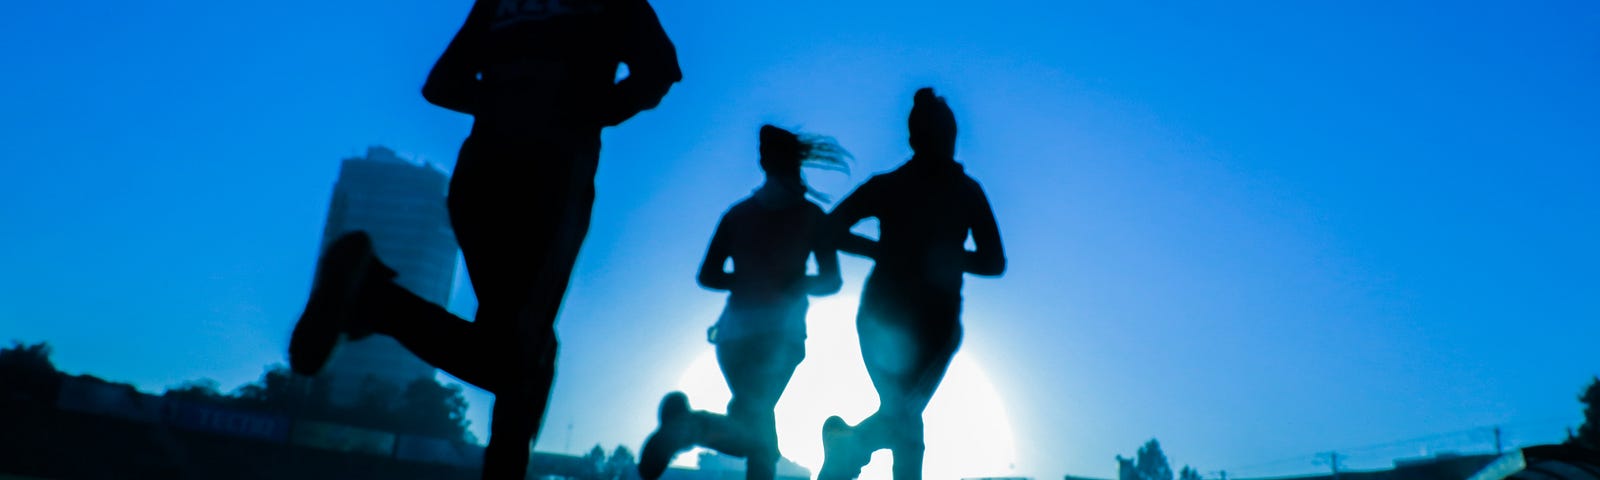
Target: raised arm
{"x": 989, "y": 258}
{"x": 652, "y": 64}
{"x": 859, "y": 205}
{"x": 712, "y": 274}
{"x": 453, "y": 83}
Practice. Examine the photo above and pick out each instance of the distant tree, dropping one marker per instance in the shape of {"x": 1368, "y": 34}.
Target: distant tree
{"x": 620, "y": 463}
{"x": 596, "y": 460}
{"x": 1150, "y": 463}
{"x": 1589, "y": 434}
{"x": 622, "y": 456}
{"x": 26, "y": 373}
{"x": 424, "y": 407}
{"x": 1126, "y": 469}
{"x": 430, "y": 408}
{"x": 205, "y": 390}
{"x": 27, "y": 359}
{"x": 280, "y": 390}
{"x": 373, "y": 407}
{"x": 376, "y": 394}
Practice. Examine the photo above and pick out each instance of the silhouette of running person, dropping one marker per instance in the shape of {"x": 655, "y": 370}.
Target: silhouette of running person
{"x": 909, "y": 320}
{"x": 539, "y": 78}
{"x": 760, "y": 337}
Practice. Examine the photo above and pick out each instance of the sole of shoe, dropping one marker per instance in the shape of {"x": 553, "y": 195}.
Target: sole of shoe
{"x": 667, "y": 440}
{"x": 340, "y": 272}
{"x": 839, "y": 461}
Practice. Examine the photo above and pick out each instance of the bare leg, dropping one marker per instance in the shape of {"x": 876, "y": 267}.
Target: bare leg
{"x": 907, "y": 346}
{"x": 757, "y": 371}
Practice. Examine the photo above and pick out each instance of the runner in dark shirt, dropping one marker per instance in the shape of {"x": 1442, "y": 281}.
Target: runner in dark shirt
{"x": 539, "y": 78}
{"x": 760, "y": 338}
{"x": 909, "y": 320}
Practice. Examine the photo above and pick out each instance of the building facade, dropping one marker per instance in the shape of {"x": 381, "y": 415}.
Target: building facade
{"x": 401, "y": 204}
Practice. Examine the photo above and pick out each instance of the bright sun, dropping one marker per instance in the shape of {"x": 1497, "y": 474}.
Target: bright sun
{"x": 967, "y": 432}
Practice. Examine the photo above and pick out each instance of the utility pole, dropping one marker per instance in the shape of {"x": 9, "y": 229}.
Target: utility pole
{"x": 1333, "y": 462}
{"x": 1497, "y": 448}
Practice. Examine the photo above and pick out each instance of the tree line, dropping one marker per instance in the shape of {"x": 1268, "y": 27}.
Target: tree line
{"x": 422, "y": 407}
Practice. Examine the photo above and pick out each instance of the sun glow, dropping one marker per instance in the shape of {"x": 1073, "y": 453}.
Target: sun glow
{"x": 967, "y": 431}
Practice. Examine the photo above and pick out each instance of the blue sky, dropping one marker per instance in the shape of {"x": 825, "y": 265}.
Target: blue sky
{"x": 1253, "y": 230}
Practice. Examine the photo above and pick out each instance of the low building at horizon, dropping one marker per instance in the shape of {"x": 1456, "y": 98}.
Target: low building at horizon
{"x": 713, "y": 465}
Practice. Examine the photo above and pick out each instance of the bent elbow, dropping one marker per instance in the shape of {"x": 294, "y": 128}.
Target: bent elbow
{"x": 714, "y": 281}
{"x": 433, "y": 93}
{"x": 446, "y": 97}
{"x": 654, "y": 87}
{"x": 990, "y": 267}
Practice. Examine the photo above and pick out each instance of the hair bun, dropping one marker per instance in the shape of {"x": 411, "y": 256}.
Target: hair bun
{"x": 933, "y": 125}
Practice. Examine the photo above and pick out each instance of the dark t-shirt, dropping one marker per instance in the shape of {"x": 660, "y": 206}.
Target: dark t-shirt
{"x": 527, "y": 66}
{"x": 769, "y": 236}
{"x": 769, "y": 245}
{"x": 925, "y": 210}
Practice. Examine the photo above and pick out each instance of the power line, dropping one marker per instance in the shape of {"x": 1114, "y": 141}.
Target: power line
{"x": 1494, "y": 435}
{"x": 1333, "y": 462}
{"x": 1299, "y": 459}
{"x": 1422, "y": 439}
{"x": 1485, "y": 433}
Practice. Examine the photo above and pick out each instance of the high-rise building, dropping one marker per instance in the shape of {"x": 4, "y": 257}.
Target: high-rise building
{"x": 401, "y": 204}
